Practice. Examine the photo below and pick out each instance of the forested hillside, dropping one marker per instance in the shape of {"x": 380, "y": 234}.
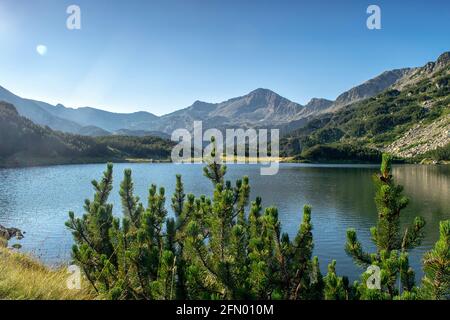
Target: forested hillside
{"x": 384, "y": 122}
{"x": 24, "y": 143}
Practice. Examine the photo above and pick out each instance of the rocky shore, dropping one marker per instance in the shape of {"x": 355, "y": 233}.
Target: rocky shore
{"x": 9, "y": 233}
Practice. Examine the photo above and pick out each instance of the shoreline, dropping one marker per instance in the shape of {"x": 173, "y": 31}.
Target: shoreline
{"x": 286, "y": 160}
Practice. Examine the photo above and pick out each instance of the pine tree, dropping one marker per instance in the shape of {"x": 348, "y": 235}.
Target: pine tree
{"x": 216, "y": 241}
{"x": 214, "y": 170}
{"x": 334, "y": 285}
{"x": 235, "y": 256}
{"x": 392, "y": 243}
{"x": 176, "y": 233}
{"x": 128, "y": 258}
{"x": 296, "y": 260}
{"x": 436, "y": 266}
{"x": 259, "y": 256}
{"x": 94, "y": 251}
{"x": 212, "y": 249}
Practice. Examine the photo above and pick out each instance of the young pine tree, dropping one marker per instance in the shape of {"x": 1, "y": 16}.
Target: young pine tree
{"x": 336, "y": 288}
{"x": 299, "y": 276}
{"x": 93, "y": 250}
{"x": 436, "y": 266}
{"x": 213, "y": 249}
{"x": 232, "y": 255}
{"x": 392, "y": 243}
{"x": 131, "y": 258}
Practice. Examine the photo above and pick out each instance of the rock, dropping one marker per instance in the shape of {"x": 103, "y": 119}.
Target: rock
{"x": 8, "y": 233}
{"x": 422, "y": 138}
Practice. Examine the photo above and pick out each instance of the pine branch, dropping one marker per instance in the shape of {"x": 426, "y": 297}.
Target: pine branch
{"x": 354, "y": 248}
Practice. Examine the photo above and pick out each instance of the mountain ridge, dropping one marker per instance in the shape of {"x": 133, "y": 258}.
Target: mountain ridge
{"x": 258, "y": 108}
{"x": 408, "y": 120}
{"x": 369, "y": 88}
{"x": 25, "y": 143}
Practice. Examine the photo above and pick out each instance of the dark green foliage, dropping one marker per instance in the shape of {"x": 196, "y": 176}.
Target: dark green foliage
{"x": 264, "y": 265}
{"x": 392, "y": 243}
{"x": 24, "y": 143}
{"x": 212, "y": 248}
{"x": 329, "y": 135}
{"x": 372, "y": 123}
{"x": 215, "y": 171}
{"x": 129, "y": 259}
{"x": 436, "y": 266}
{"x": 340, "y": 152}
{"x": 22, "y": 139}
{"x": 232, "y": 256}
{"x": 440, "y": 154}
{"x": 138, "y": 147}
{"x": 337, "y": 288}
{"x": 94, "y": 252}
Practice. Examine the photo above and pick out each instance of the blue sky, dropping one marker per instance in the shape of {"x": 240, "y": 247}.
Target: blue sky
{"x": 162, "y": 55}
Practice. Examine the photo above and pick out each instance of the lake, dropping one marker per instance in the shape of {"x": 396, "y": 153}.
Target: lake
{"x": 37, "y": 201}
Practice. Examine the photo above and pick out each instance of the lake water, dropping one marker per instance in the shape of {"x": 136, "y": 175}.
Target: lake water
{"x": 37, "y": 200}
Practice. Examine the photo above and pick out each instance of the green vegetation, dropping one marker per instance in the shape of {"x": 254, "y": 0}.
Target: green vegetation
{"x": 216, "y": 249}
{"x": 148, "y": 147}
{"x": 440, "y": 154}
{"x": 392, "y": 244}
{"x": 436, "y": 283}
{"x": 24, "y": 143}
{"x": 372, "y": 124}
{"x": 340, "y": 153}
{"x": 212, "y": 248}
{"x": 23, "y": 278}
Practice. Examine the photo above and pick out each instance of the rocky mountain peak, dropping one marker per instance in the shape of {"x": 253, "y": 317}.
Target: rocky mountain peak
{"x": 317, "y": 104}
{"x": 444, "y": 59}
{"x": 262, "y": 92}
{"x": 199, "y": 104}
{"x": 370, "y": 88}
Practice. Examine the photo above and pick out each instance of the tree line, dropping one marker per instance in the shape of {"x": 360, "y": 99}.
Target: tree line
{"x": 357, "y": 131}
{"x": 26, "y": 143}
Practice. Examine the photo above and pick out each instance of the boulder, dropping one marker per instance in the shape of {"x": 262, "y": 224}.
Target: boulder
{"x": 8, "y": 233}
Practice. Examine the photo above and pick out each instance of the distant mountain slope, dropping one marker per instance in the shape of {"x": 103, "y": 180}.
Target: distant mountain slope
{"x": 318, "y": 104}
{"x": 109, "y": 121}
{"x": 410, "y": 118}
{"x": 84, "y": 121}
{"x": 34, "y": 110}
{"x": 25, "y": 143}
{"x": 369, "y": 88}
{"x": 261, "y": 108}
{"x": 93, "y": 131}
{"x": 416, "y": 75}
{"x": 422, "y": 138}
{"x": 140, "y": 133}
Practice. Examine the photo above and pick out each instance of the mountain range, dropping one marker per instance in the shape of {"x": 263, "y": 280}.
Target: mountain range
{"x": 410, "y": 119}
{"x": 259, "y": 108}
{"x": 24, "y": 143}
{"x": 374, "y": 114}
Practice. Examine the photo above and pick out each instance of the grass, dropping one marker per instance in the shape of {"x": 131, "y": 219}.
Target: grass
{"x": 23, "y": 278}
